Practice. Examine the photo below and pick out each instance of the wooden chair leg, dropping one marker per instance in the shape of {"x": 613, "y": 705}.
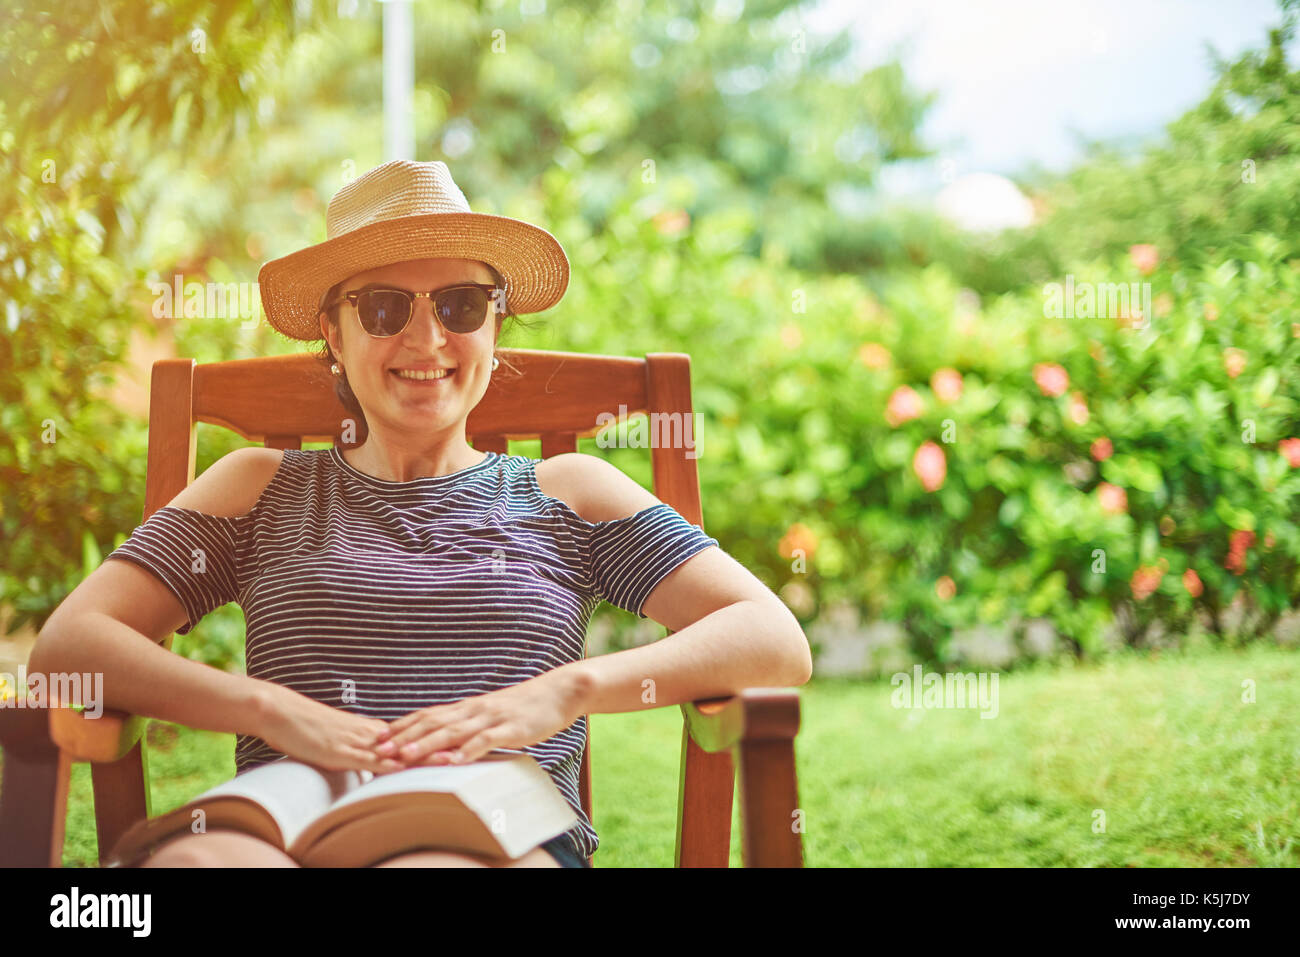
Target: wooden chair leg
{"x": 769, "y": 799}
{"x": 706, "y": 791}
{"x": 33, "y": 792}
{"x": 121, "y": 796}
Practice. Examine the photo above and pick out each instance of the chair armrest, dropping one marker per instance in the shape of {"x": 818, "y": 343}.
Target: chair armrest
{"x": 719, "y": 724}
{"x": 106, "y": 739}
{"x": 757, "y": 727}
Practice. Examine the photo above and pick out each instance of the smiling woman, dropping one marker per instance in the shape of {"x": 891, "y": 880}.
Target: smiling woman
{"x": 413, "y": 600}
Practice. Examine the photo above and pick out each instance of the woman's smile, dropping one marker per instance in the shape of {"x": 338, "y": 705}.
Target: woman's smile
{"x": 426, "y": 380}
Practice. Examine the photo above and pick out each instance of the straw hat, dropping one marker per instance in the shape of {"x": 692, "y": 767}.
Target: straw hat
{"x": 406, "y": 210}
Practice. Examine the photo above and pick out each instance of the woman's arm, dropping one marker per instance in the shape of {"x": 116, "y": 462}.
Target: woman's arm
{"x": 111, "y": 627}
{"x": 730, "y": 631}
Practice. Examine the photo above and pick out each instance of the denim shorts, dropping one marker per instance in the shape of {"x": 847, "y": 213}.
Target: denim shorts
{"x": 562, "y": 849}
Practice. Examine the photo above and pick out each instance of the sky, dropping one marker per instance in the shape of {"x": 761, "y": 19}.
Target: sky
{"x": 1017, "y": 79}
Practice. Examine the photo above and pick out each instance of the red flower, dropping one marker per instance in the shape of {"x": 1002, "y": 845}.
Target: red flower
{"x": 1102, "y": 449}
{"x": 1114, "y": 500}
{"x": 1192, "y": 582}
{"x": 903, "y": 405}
{"x": 931, "y": 466}
{"x": 801, "y": 537}
{"x": 1051, "y": 378}
{"x": 1291, "y": 449}
{"x": 1145, "y": 257}
{"x": 1237, "y": 545}
{"x": 1145, "y": 581}
{"x": 1234, "y": 360}
{"x": 945, "y": 588}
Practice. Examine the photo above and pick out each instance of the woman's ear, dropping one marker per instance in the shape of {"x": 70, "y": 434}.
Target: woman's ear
{"x": 328, "y": 332}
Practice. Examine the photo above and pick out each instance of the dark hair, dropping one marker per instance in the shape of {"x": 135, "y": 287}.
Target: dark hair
{"x": 343, "y": 390}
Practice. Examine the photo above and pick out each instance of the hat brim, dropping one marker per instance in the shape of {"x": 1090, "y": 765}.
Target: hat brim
{"x": 531, "y": 261}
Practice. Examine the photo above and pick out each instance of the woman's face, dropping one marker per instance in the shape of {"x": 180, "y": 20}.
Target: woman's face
{"x": 424, "y": 344}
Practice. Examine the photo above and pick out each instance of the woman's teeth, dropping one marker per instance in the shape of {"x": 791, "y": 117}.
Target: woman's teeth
{"x": 410, "y": 374}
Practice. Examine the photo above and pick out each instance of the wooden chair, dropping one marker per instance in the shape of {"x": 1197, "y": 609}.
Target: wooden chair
{"x": 284, "y": 401}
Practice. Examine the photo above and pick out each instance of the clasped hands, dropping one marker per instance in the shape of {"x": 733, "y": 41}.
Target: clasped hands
{"x": 464, "y": 731}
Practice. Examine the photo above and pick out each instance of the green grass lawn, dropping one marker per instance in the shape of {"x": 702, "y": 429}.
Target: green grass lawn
{"x": 1186, "y": 773}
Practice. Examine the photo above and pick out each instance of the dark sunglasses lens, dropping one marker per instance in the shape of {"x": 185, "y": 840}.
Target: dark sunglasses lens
{"x": 384, "y": 312}
{"x": 462, "y": 309}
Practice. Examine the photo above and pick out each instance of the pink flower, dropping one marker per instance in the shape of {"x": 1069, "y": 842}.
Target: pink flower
{"x": 1114, "y": 500}
{"x": 1102, "y": 449}
{"x": 1234, "y": 360}
{"x": 903, "y": 405}
{"x": 671, "y": 222}
{"x": 945, "y": 588}
{"x": 946, "y": 384}
{"x": 1051, "y": 378}
{"x": 1078, "y": 408}
{"x": 1145, "y": 257}
{"x": 873, "y": 355}
{"x": 1192, "y": 582}
{"x": 1291, "y": 449}
{"x": 931, "y": 466}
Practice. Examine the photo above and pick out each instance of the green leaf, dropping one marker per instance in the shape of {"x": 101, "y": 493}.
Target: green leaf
{"x": 1234, "y": 518}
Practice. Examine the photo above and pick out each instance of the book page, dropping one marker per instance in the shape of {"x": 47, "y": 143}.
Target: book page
{"x": 293, "y": 793}
{"x": 443, "y": 777}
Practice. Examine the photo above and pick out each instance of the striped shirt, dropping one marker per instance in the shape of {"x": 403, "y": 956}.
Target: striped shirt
{"x": 382, "y": 597}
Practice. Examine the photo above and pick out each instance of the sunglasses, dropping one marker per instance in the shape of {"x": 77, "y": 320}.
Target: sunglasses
{"x": 384, "y": 312}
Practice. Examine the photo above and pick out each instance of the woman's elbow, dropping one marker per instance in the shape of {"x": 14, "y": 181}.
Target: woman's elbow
{"x": 45, "y": 652}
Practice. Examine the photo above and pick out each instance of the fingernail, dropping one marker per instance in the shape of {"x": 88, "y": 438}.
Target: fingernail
{"x": 385, "y": 748}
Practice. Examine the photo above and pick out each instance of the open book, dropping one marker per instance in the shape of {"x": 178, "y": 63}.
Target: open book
{"x": 501, "y": 806}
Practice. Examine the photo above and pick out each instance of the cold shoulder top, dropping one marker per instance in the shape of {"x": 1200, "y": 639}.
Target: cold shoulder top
{"x": 382, "y": 597}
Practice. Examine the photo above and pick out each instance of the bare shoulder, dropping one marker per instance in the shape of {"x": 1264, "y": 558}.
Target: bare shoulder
{"x": 231, "y": 485}
{"x": 594, "y": 488}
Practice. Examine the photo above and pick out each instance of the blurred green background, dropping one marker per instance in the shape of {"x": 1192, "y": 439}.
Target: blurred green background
{"x": 899, "y": 437}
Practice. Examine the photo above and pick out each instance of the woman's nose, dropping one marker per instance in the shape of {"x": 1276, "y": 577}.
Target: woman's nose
{"x": 424, "y": 323}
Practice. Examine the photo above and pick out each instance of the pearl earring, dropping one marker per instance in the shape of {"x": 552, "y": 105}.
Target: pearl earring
{"x": 335, "y": 369}
{"x": 495, "y": 362}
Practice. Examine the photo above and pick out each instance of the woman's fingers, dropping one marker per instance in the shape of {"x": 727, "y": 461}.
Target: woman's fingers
{"x": 442, "y": 739}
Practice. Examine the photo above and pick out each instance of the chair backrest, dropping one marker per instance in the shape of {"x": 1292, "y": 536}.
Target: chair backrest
{"x": 559, "y": 397}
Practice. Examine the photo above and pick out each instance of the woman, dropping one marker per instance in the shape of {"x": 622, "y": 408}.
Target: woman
{"x": 412, "y": 600}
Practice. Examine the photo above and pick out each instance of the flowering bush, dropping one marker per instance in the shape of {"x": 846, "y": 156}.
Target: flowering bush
{"x": 944, "y": 463}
